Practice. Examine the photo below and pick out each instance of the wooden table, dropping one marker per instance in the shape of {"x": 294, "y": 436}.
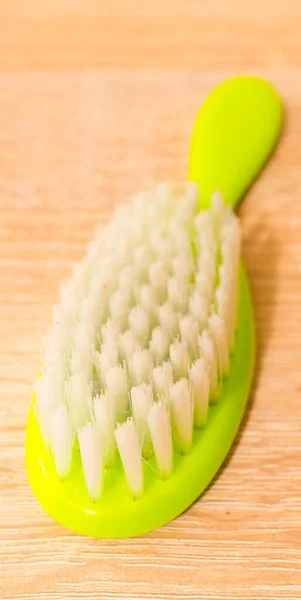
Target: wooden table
{"x": 97, "y": 99}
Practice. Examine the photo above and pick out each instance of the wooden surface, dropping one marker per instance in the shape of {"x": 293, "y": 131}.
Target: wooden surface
{"x": 97, "y": 99}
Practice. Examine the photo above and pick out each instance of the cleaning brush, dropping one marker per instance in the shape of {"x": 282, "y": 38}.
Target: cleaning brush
{"x": 149, "y": 358}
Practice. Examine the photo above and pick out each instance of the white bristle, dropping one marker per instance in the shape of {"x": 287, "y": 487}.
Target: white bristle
{"x": 123, "y": 250}
{"x": 217, "y": 203}
{"x": 225, "y": 273}
{"x": 108, "y": 356}
{"x": 56, "y": 346}
{"x": 62, "y": 436}
{"x": 46, "y": 397}
{"x": 207, "y": 265}
{"x": 98, "y": 308}
{"x": 91, "y": 312}
{"x": 80, "y": 364}
{"x": 78, "y": 395}
{"x": 139, "y": 322}
{"x": 189, "y": 331}
{"x": 205, "y": 241}
{"x": 117, "y": 387}
{"x": 230, "y": 255}
{"x": 222, "y": 295}
{"x": 183, "y": 268}
{"x": 90, "y": 445}
{"x": 204, "y": 285}
{"x": 141, "y": 402}
{"x": 109, "y": 270}
{"x": 162, "y": 378}
{"x": 141, "y": 366}
{"x": 207, "y": 350}
{"x": 186, "y": 210}
{"x": 83, "y": 338}
{"x": 128, "y": 278}
{"x": 226, "y": 306}
{"x": 179, "y": 357}
{"x": 165, "y": 251}
{"x": 128, "y": 344}
{"x": 232, "y": 309}
{"x": 217, "y": 211}
{"x": 218, "y": 332}
{"x": 182, "y": 414}
{"x": 168, "y": 319}
{"x": 200, "y": 387}
{"x": 130, "y": 453}
{"x": 142, "y": 260}
{"x": 180, "y": 237}
{"x": 198, "y": 307}
{"x": 137, "y": 229}
{"x": 159, "y": 344}
{"x": 120, "y": 304}
{"x": 158, "y": 279}
{"x": 230, "y": 252}
{"x": 178, "y": 293}
{"x": 148, "y": 299}
{"x": 139, "y": 226}
{"x": 105, "y": 416}
{"x": 110, "y": 330}
{"x": 160, "y": 431}
{"x": 156, "y": 238}
{"x": 96, "y": 361}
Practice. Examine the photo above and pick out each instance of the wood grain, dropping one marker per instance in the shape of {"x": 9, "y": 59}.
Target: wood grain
{"x": 171, "y": 34}
{"x": 73, "y": 144}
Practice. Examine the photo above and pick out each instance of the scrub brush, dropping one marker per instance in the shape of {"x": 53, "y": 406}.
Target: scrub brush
{"x": 149, "y": 359}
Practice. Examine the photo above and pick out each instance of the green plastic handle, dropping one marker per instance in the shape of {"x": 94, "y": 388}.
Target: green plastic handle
{"x": 235, "y": 132}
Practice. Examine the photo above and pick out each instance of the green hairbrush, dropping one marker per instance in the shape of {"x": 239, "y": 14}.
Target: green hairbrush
{"x": 150, "y": 357}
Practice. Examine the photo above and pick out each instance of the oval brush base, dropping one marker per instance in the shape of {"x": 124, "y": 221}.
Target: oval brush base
{"x": 117, "y": 515}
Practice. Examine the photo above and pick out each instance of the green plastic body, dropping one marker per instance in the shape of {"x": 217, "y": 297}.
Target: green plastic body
{"x": 226, "y": 123}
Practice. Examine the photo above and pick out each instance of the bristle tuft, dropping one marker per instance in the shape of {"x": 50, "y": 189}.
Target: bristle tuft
{"x": 160, "y": 432}
{"x": 105, "y": 416}
{"x": 162, "y": 379}
{"x": 179, "y": 359}
{"x": 182, "y": 414}
{"x": 159, "y": 345}
{"x": 141, "y": 402}
{"x": 200, "y": 387}
{"x": 117, "y": 387}
{"x": 130, "y": 453}
{"x": 92, "y": 459}
{"x": 141, "y": 366}
{"x": 62, "y": 436}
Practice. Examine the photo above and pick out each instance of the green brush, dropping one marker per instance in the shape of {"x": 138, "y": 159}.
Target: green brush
{"x": 150, "y": 358}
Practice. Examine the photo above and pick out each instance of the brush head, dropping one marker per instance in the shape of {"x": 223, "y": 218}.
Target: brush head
{"x": 138, "y": 349}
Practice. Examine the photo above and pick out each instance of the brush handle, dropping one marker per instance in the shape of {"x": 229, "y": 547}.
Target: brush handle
{"x": 235, "y": 132}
